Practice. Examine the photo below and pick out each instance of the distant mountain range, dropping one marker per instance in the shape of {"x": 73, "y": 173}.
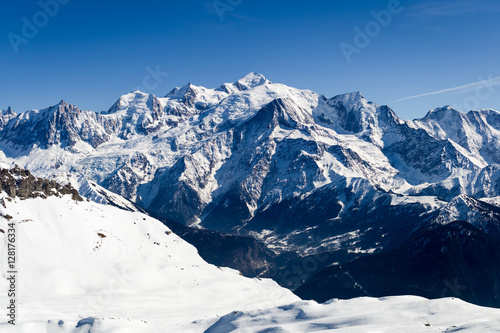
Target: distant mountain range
{"x": 302, "y": 174}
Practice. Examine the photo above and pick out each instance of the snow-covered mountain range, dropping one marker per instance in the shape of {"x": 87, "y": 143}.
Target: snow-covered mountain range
{"x": 250, "y": 156}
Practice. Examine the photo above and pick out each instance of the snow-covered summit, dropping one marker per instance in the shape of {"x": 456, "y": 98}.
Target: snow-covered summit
{"x": 180, "y": 92}
{"x": 353, "y": 99}
{"x": 133, "y": 101}
{"x": 251, "y": 80}
{"x": 476, "y": 131}
{"x": 353, "y": 113}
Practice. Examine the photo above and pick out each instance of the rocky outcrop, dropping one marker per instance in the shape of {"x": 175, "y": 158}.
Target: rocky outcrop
{"x": 21, "y": 183}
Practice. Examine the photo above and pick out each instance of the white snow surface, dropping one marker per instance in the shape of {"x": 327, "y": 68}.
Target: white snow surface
{"x": 492, "y": 201}
{"x": 140, "y": 277}
{"x": 389, "y": 314}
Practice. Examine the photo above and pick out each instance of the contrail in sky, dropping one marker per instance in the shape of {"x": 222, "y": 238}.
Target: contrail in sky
{"x": 485, "y": 83}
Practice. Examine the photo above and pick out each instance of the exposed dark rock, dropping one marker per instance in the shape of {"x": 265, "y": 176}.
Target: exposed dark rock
{"x": 21, "y": 183}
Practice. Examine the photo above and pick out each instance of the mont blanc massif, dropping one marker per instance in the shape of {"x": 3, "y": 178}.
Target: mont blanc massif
{"x": 251, "y": 207}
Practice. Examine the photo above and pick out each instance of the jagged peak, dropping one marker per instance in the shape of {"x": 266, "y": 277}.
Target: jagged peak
{"x": 9, "y": 111}
{"x": 61, "y": 107}
{"x": 281, "y": 102}
{"x": 349, "y": 98}
{"x": 489, "y": 110}
{"x": 357, "y": 103}
{"x": 249, "y": 81}
{"x": 226, "y": 87}
{"x": 447, "y": 111}
{"x": 462, "y": 199}
{"x": 62, "y": 104}
{"x": 180, "y": 92}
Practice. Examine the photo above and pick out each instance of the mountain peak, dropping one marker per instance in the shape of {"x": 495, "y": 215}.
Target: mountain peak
{"x": 350, "y": 98}
{"x": 353, "y": 101}
{"x": 444, "y": 108}
{"x": 251, "y": 80}
{"x": 442, "y": 113}
{"x": 180, "y": 92}
{"x": 9, "y": 111}
{"x": 125, "y": 101}
{"x": 62, "y": 106}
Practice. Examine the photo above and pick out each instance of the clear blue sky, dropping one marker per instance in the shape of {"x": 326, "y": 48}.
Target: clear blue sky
{"x": 91, "y": 52}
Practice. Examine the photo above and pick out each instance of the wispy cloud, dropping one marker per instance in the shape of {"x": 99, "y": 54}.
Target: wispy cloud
{"x": 490, "y": 82}
{"x": 451, "y": 8}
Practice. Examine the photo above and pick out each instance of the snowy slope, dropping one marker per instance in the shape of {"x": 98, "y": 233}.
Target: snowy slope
{"x": 492, "y": 201}
{"x": 128, "y": 271}
{"x": 389, "y": 314}
{"x": 476, "y": 131}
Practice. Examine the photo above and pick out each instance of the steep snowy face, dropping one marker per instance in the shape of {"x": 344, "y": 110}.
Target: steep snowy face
{"x": 137, "y": 113}
{"x": 482, "y": 215}
{"x": 277, "y": 154}
{"x": 63, "y": 125}
{"x": 191, "y": 100}
{"x": 80, "y": 259}
{"x": 419, "y": 156}
{"x": 250, "y": 81}
{"x": 478, "y": 132}
{"x": 352, "y": 113}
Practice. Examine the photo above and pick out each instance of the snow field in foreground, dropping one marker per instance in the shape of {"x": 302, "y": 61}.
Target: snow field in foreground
{"x": 82, "y": 259}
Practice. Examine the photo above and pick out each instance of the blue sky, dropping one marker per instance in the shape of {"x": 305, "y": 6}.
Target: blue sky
{"x": 91, "y": 52}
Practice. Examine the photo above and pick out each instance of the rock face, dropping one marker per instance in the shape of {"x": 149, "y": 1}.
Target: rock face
{"x": 63, "y": 125}
{"x": 21, "y": 183}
